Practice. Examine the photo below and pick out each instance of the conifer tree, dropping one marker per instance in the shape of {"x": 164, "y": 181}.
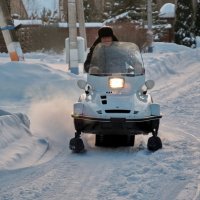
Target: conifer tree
{"x": 111, "y": 8}
{"x": 197, "y": 19}
{"x": 184, "y": 27}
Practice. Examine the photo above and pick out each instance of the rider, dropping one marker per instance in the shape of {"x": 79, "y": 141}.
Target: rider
{"x": 105, "y": 36}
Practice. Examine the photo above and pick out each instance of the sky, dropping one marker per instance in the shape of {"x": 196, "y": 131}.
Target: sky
{"x": 36, "y": 101}
{"x": 37, "y": 5}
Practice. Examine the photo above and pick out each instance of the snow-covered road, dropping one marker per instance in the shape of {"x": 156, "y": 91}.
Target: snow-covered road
{"x": 100, "y": 173}
{"x": 124, "y": 173}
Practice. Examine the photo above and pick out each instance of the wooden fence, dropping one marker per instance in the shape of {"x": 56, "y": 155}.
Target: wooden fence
{"x": 37, "y": 37}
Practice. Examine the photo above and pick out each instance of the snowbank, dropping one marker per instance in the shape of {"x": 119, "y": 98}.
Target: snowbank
{"x": 36, "y": 81}
{"x": 18, "y": 147}
{"x": 42, "y": 93}
{"x": 169, "y": 59}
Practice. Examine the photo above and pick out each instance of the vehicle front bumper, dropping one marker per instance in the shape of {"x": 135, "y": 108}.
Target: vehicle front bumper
{"x": 116, "y": 125}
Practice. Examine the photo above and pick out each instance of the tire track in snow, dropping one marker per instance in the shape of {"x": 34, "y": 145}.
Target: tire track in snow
{"x": 171, "y": 170}
{"x": 106, "y": 173}
{"x": 197, "y": 196}
{"x": 191, "y": 143}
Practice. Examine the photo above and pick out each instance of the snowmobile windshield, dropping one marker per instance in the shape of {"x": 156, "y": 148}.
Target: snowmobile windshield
{"x": 122, "y": 58}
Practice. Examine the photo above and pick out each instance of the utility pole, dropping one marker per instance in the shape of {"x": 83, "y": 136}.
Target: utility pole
{"x": 12, "y": 44}
{"x": 73, "y": 47}
{"x": 149, "y": 35}
{"x": 149, "y": 12}
{"x": 81, "y": 20}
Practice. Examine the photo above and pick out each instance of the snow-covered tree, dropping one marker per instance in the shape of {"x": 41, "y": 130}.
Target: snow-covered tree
{"x": 96, "y": 11}
{"x": 184, "y": 27}
{"x": 197, "y": 19}
{"x": 47, "y": 16}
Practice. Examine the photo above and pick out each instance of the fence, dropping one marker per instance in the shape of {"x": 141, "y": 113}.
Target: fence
{"x": 38, "y": 37}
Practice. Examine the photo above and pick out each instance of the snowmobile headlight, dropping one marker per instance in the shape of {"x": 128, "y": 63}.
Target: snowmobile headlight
{"x": 116, "y": 83}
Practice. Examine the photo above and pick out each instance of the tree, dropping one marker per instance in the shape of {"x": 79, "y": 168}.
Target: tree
{"x": 184, "y": 27}
{"x": 94, "y": 10}
{"x": 197, "y": 19}
{"x": 99, "y": 11}
{"x": 47, "y": 16}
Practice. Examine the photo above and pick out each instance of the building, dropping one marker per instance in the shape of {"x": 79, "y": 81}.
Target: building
{"x": 17, "y": 9}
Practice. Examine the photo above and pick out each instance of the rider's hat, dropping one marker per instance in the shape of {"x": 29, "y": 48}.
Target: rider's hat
{"x": 105, "y": 31}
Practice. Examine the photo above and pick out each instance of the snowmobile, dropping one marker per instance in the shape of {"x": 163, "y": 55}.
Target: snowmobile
{"x": 116, "y": 104}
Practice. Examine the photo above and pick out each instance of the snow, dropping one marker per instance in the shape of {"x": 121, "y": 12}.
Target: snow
{"x": 60, "y": 24}
{"x": 36, "y": 100}
{"x": 167, "y": 11}
{"x": 28, "y": 22}
{"x": 114, "y": 19}
{"x": 88, "y": 25}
